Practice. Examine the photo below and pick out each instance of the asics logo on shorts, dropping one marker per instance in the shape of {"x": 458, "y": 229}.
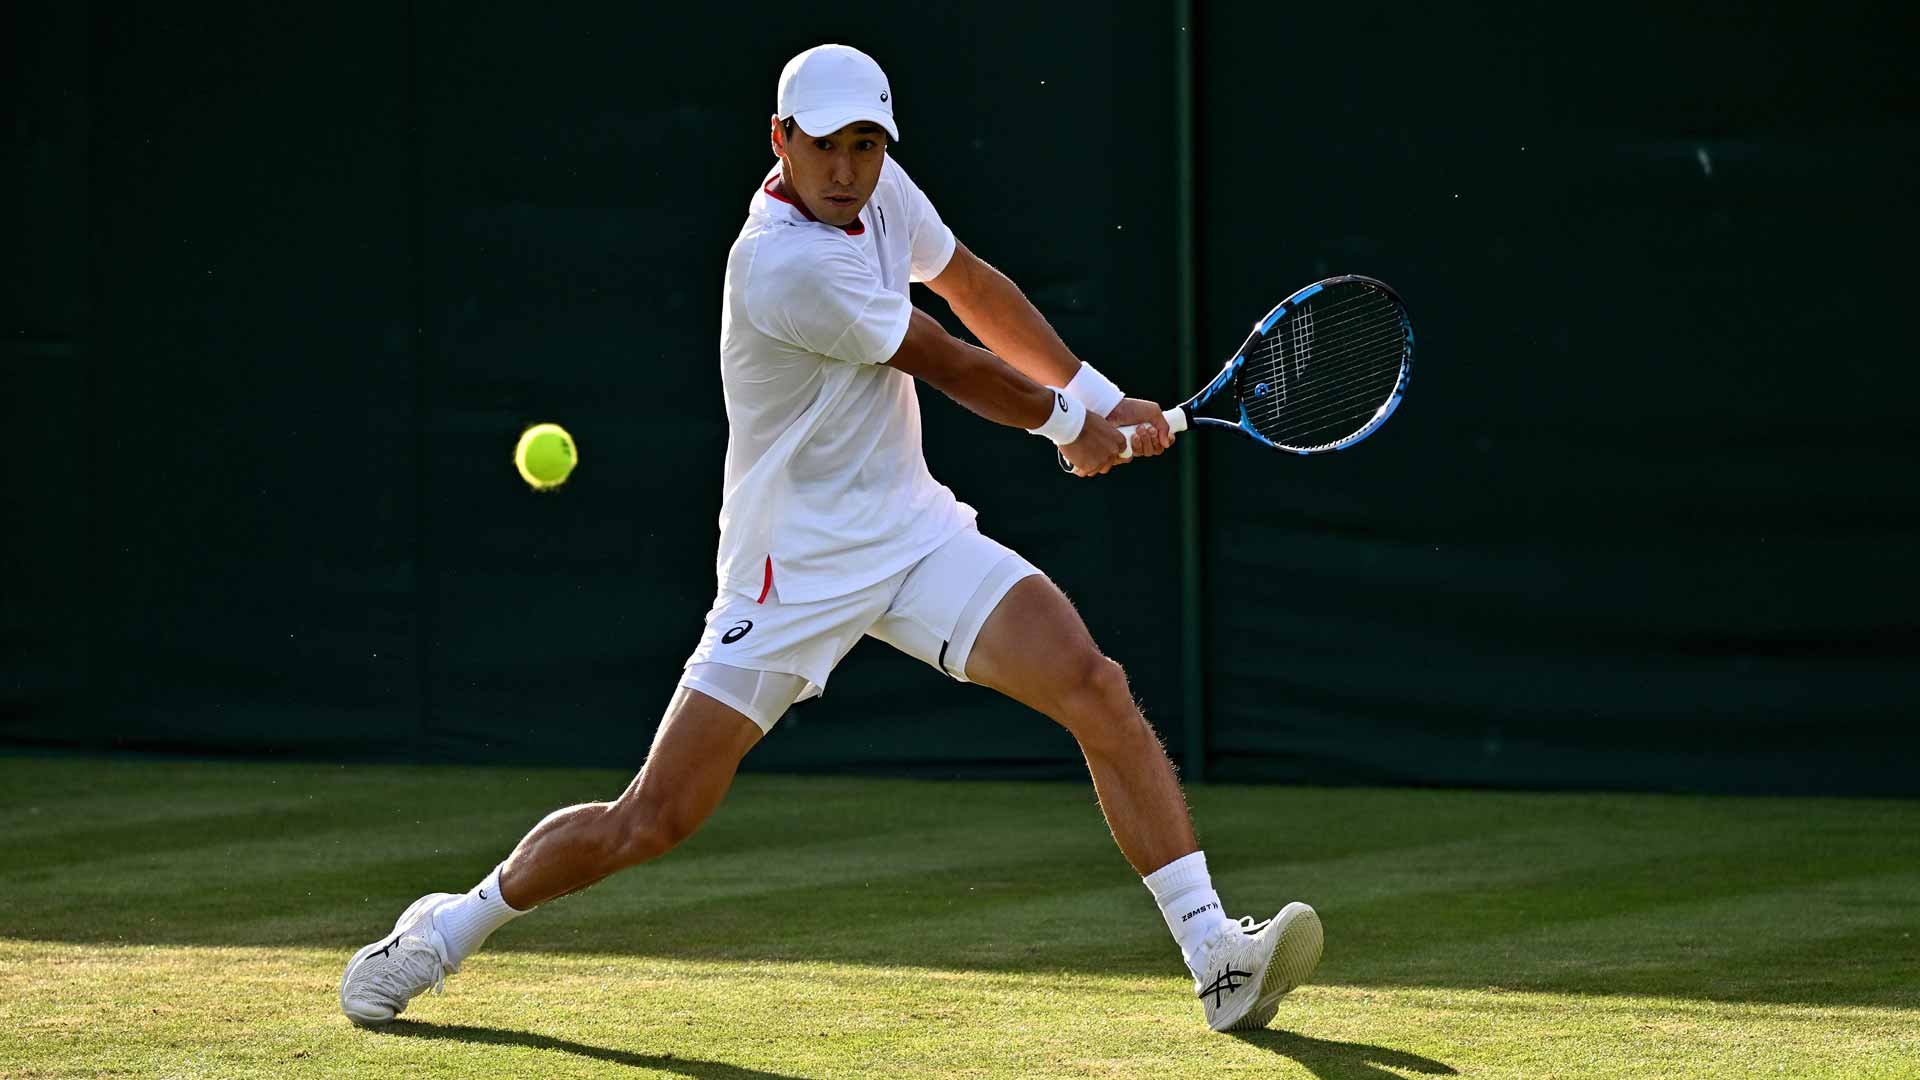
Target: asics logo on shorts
{"x": 738, "y": 631}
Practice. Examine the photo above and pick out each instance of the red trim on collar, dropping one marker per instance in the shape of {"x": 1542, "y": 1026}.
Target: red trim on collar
{"x": 855, "y": 229}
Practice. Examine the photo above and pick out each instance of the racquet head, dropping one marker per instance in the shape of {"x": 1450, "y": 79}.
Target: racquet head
{"x": 1323, "y": 370}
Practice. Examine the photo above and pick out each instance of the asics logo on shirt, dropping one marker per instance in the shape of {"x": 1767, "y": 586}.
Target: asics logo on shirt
{"x": 738, "y": 631}
{"x": 1227, "y": 983}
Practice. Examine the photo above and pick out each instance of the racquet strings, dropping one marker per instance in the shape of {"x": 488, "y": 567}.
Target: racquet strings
{"x": 1323, "y": 373}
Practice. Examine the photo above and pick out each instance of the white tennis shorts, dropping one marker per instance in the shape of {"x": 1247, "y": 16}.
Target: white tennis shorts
{"x": 932, "y": 610}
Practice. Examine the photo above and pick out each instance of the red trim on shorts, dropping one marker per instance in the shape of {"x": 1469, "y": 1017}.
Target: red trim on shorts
{"x": 856, "y": 229}
{"x": 768, "y": 587}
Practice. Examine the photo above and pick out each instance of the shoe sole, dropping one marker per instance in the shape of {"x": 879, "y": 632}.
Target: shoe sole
{"x": 1294, "y": 957}
{"x": 392, "y": 936}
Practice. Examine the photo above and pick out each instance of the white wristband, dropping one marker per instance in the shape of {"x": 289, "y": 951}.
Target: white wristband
{"x": 1064, "y": 420}
{"x": 1094, "y": 390}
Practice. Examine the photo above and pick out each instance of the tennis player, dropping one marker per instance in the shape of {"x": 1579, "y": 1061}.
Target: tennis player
{"x": 832, "y": 529}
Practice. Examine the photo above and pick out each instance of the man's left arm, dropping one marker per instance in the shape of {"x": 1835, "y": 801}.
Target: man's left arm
{"x": 1006, "y": 322}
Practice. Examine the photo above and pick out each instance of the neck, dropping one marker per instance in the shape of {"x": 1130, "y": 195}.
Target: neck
{"x": 786, "y": 192}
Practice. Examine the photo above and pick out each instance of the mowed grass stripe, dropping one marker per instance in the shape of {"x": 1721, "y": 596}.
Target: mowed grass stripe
{"x": 1568, "y": 895}
{"x": 147, "y": 1012}
{"x": 762, "y": 866}
{"x": 339, "y": 870}
{"x": 1839, "y": 941}
{"x": 1083, "y": 925}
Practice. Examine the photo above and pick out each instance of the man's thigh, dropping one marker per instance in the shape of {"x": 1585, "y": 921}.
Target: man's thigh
{"x": 694, "y": 756}
{"x": 761, "y": 656}
{"x": 1033, "y": 645}
{"x": 946, "y": 598}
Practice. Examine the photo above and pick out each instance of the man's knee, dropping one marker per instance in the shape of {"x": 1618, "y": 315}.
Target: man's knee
{"x": 636, "y": 830}
{"x": 1096, "y": 703}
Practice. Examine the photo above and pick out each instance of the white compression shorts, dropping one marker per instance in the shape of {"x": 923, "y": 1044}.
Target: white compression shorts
{"x": 759, "y": 657}
{"x": 761, "y": 696}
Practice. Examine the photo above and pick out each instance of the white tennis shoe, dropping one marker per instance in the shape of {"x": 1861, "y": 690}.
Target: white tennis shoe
{"x": 384, "y": 976}
{"x": 1246, "y": 967}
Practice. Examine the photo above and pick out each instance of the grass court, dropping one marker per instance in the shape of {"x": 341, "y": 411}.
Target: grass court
{"x": 178, "y": 918}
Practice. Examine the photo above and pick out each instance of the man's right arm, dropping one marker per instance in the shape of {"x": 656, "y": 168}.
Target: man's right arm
{"x": 990, "y": 387}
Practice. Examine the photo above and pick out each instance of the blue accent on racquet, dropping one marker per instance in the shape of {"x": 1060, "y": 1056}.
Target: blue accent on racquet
{"x": 1322, "y": 370}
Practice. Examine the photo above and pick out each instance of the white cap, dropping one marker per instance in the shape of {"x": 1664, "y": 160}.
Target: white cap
{"x": 830, "y": 86}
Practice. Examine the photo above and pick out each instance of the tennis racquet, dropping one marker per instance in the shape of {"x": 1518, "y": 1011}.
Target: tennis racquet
{"x": 1323, "y": 370}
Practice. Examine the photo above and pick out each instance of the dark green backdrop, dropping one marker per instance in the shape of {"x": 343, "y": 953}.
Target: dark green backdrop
{"x": 287, "y": 284}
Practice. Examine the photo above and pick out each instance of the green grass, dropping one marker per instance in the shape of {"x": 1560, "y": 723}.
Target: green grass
{"x": 161, "y": 918}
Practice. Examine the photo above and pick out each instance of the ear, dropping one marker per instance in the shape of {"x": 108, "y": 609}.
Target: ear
{"x": 779, "y": 140}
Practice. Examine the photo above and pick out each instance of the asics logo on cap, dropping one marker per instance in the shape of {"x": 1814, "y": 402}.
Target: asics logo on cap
{"x": 830, "y": 86}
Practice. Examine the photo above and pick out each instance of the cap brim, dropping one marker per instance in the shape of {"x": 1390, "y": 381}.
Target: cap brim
{"x": 829, "y": 119}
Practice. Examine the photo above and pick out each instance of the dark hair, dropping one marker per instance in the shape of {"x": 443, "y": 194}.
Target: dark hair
{"x": 787, "y": 126}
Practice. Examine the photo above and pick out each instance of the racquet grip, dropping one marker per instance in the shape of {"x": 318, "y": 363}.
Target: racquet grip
{"x": 1176, "y": 422}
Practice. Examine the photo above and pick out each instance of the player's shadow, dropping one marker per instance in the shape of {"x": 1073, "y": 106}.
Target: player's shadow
{"x": 681, "y": 1066}
{"x": 1331, "y": 1060}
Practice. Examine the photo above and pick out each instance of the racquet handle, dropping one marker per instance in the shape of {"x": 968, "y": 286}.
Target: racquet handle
{"x": 1176, "y": 422}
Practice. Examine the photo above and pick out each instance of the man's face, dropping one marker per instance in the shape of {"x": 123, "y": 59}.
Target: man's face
{"x": 834, "y": 174}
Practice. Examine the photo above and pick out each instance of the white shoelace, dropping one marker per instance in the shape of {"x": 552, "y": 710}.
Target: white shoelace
{"x": 1226, "y": 933}
{"x": 1231, "y": 930}
{"x": 413, "y": 967}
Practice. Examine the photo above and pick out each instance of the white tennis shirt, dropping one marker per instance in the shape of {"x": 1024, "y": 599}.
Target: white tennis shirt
{"x": 826, "y": 487}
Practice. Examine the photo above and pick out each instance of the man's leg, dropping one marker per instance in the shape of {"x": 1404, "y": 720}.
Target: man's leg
{"x": 687, "y": 772}
{"x": 1035, "y": 649}
{"x": 695, "y": 754}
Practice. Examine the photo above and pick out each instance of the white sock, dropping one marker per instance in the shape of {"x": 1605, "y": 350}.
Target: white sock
{"x": 465, "y": 923}
{"x": 1187, "y": 901}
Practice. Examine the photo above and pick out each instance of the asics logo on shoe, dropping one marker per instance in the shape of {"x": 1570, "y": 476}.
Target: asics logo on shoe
{"x": 387, "y": 950}
{"x": 483, "y": 894}
{"x": 1202, "y": 909}
{"x": 1229, "y": 981}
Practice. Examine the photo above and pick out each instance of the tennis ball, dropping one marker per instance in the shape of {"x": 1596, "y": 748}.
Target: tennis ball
{"x": 545, "y": 456}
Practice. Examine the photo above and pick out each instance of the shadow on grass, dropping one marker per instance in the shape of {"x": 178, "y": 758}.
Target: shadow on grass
{"x": 1331, "y": 1060}
{"x": 694, "y": 1067}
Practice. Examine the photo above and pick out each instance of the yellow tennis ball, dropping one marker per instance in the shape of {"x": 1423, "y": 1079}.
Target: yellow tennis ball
{"x": 545, "y": 456}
